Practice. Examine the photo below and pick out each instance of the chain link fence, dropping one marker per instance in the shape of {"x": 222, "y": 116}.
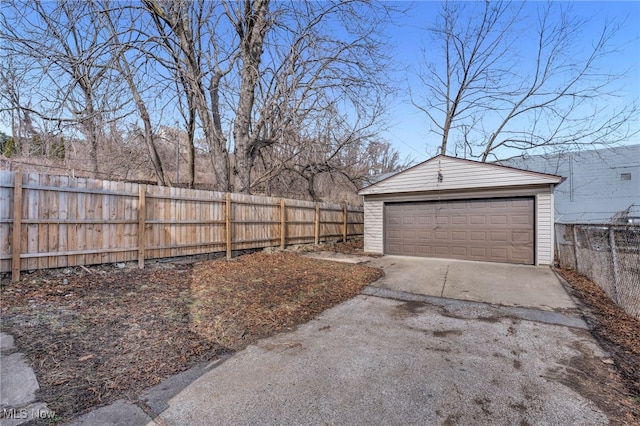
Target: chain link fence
{"x": 608, "y": 254}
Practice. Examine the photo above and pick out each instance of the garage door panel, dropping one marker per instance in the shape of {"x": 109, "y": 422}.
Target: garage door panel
{"x": 522, "y": 254}
{"x": 459, "y": 220}
{"x": 441, "y": 250}
{"x": 459, "y": 251}
{"x": 498, "y": 219}
{"x": 524, "y": 203}
{"x": 500, "y": 230}
{"x": 478, "y": 252}
{"x": 394, "y": 248}
{"x": 442, "y": 220}
{"x": 477, "y": 235}
{"x": 478, "y": 220}
{"x": 409, "y": 248}
{"x": 392, "y": 235}
{"x": 441, "y": 235}
{"x": 522, "y": 237}
{"x": 498, "y": 237}
{"x": 459, "y": 236}
{"x": 521, "y": 219}
{"x": 424, "y": 250}
{"x": 407, "y": 235}
{"x": 499, "y": 252}
{"x": 424, "y": 220}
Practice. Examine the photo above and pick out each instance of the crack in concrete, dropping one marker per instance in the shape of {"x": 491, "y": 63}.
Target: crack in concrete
{"x": 445, "y": 281}
{"x": 497, "y": 311}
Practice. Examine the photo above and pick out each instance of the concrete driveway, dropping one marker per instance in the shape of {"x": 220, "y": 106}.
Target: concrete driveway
{"x": 495, "y": 283}
{"x": 374, "y": 360}
{"x": 401, "y": 356}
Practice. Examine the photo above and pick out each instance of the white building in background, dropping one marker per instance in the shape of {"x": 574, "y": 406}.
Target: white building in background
{"x": 601, "y": 185}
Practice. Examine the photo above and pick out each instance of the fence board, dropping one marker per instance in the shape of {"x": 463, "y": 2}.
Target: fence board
{"x": 6, "y": 213}
{"x": 96, "y": 232}
{"x": 72, "y": 214}
{"x": 17, "y": 226}
{"x": 54, "y": 231}
{"x": 80, "y": 201}
{"x": 67, "y": 221}
{"x": 142, "y": 214}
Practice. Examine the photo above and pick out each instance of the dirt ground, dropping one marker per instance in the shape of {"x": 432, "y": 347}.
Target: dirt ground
{"x": 93, "y": 338}
{"x": 109, "y": 333}
{"x": 617, "y": 332}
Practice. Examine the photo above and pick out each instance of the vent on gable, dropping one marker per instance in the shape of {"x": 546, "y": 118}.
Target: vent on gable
{"x": 625, "y": 176}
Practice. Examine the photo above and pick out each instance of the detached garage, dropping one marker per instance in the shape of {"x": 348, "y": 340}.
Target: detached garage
{"x": 461, "y": 209}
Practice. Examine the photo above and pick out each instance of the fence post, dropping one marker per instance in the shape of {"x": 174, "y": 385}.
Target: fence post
{"x": 142, "y": 217}
{"x": 283, "y": 224}
{"x": 575, "y": 246}
{"x": 17, "y": 227}
{"x": 227, "y": 224}
{"x": 344, "y": 225}
{"x": 316, "y": 231}
{"x": 614, "y": 260}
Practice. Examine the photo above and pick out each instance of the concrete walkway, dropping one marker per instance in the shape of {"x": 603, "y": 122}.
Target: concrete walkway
{"x": 18, "y": 386}
{"x": 338, "y": 257}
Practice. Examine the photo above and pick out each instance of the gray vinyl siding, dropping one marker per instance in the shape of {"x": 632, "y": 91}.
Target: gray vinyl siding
{"x": 593, "y": 190}
{"x": 456, "y": 174}
{"x": 544, "y": 229}
{"x": 373, "y": 227}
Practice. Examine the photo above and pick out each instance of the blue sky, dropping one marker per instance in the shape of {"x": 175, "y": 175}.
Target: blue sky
{"x": 409, "y": 130}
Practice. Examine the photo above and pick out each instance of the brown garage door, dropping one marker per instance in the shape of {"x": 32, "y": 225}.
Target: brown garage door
{"x": 495, "y": 230}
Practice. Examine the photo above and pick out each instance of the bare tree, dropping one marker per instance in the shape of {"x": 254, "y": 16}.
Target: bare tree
{"x": 66, "y": 50}
{"x": 267, "y": 71}
{"x": 123, "y": 51}
{"x": 187, "y": 32}
{"x": 12, "y": 83}
{"x": 548, "y": 96}
{"x": 335, "y": 158}
{"x": 291, "y": 88}
{"x": 312, "y": 81}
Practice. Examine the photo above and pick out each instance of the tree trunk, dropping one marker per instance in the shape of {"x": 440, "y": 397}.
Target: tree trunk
{"x": 191, "y": 135}
{"x": 252, "y": 29}
{"x": 90, "y": 131}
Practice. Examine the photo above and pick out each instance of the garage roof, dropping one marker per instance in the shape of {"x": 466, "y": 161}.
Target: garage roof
{"x": 449, "y": 173}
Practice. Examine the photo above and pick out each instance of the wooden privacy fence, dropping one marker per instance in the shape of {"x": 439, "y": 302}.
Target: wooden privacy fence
{"x": 58, "y": 221}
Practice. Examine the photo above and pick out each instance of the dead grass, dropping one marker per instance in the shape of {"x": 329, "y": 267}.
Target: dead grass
{"x": 616, "y": 331}
{"x": 110, "y": 335}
